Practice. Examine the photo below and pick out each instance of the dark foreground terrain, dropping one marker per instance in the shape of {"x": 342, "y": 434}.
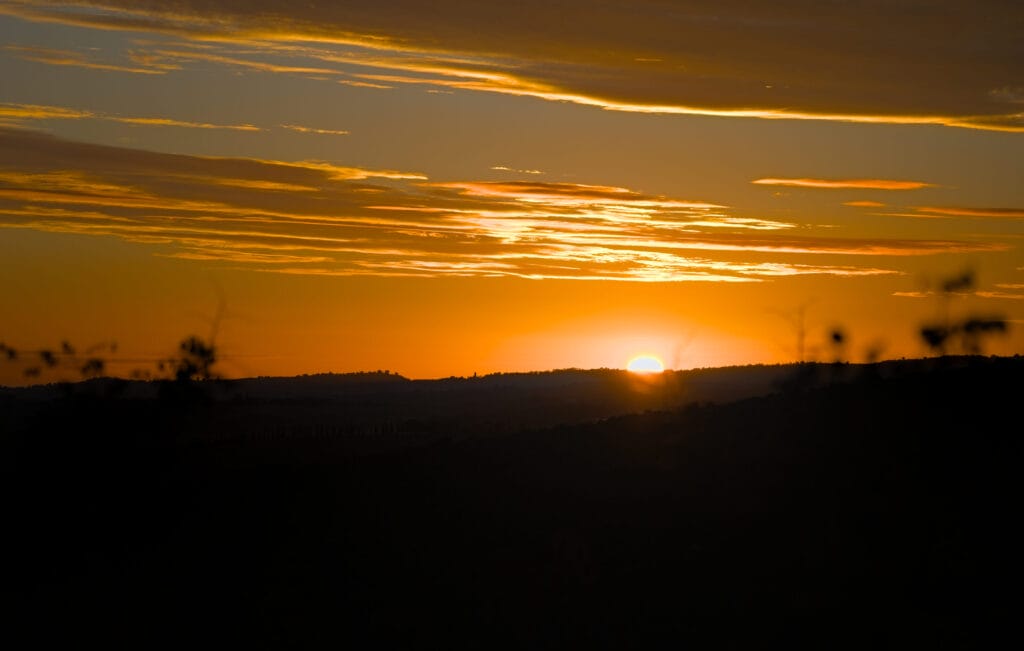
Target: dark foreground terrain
{"x": 879, "y": 510}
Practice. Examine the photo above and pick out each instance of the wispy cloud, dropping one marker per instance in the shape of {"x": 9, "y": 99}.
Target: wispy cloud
{"x": 962, "y": 211}
{"x": 505, "y": 168}
{"x": 914, "y": 294}
{"x": 38, "y": 112}
{"x": 327, "y": 218}
{"x": 1000, "y": 295}
{"x": 27, "y": 112}
{"x": 79, "y": 60}
{"x": 1005, "y": 291}
{"x": 20, "y": 113}
{"x": 363, "y": 84}
{"x": 568, "y": 193}
{"x": 302, "y": 129}
{"x": 981, "y": 293}
{"x": 1009, "y": 94}
{"x": 179, "y": 56}
{"x": 710, "y": 57}
{"x": 168, "y": 122}
{"x": 864, "y": 204}
{"x": 836, "y": 184}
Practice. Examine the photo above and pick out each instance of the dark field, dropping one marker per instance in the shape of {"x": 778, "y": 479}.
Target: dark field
{"x": 836, "y": 507}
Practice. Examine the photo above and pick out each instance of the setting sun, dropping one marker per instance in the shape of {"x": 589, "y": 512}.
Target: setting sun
{"x": 645, "y": 364}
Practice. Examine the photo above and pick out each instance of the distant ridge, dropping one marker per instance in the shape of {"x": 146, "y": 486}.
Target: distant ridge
{"x": 498, "y": 402}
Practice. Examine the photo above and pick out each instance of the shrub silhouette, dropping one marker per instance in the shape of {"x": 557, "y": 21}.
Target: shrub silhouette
{"x": 970, "y": 331}
{"x": 838, "y": 338}
{"x": 194, "y": 361}
{"x": 973, "y": 329}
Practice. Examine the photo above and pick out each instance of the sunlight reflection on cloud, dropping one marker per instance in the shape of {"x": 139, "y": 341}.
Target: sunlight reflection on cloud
{"x": 330, "y": 218}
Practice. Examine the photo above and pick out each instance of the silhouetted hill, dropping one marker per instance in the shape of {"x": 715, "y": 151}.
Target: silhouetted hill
{"x": 370, "y": 403}
{"x": 852, "y": 507}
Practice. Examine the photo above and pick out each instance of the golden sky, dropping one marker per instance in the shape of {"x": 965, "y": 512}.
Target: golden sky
{"x": 448, "y": 188}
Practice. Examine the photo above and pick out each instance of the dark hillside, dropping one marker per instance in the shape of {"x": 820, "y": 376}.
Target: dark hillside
{"x": 880, "y": 511}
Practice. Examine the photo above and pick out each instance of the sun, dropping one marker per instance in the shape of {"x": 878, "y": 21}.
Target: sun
{"x": 645, "y": 364}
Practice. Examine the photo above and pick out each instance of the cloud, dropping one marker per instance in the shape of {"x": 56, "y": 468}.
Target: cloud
{"x": 838, "y": 184}
{"x": 18, "y": 113}
{"x": 327, "y": 218}
{"x": 505, "y": 168}
{"x": 38, "y": 112}
{"x": 1008, "y": 94}
{"x": 914, "y": 294}
{"x": 363, "y": 84}
{"x": 302, "y": 129}
{"x": 864, "y": 204}
{"x": 952, "y": 211}
{"x": 168, "y": 122}
{"x": 568, "y": 193}
{"x": 178, "y": 56}
{"x": 1000, "y": 295}
{"x": 957, "y": 65}
{"x": 77, "y": 59}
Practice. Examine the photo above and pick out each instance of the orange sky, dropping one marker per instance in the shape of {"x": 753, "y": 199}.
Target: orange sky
{"x": 503, "y": 189}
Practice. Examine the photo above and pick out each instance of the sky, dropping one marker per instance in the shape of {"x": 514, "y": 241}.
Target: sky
{"x": 451, "y": 188}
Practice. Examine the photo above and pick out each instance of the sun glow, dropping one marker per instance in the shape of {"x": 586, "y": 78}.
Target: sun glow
{"x": 645, "y": 364}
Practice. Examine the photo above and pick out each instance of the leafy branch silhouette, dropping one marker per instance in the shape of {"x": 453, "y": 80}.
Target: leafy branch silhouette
{"x": 90, "y": 363}
{"x": 193, "y": 361}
